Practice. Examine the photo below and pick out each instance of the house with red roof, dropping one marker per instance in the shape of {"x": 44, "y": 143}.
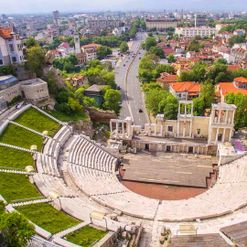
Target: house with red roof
{"x": 64, "y": 49}
{"x": 185, "y": 90}
{"x": 90, "y": 50}
{"x": 165, "y": 79}
{"x": 10, "y": 47}
{"x": 239, "y": 85}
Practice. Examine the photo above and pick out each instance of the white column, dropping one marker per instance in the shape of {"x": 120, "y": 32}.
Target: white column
{"x": 219, "y": 115}
{"x": 226, "y": 117}
{"x": 217, "y": 133}
{"x": 230, "y": 135}
{"x": 178, "y": 128}
{"x": 111, "y": 126}
{"x": 184, "y": 130}
{"x": 191, "y": 128}
{"x": 223, "y": 136}
{"x": 117, "y": 127}
{"x": 161, "y": 131}
{"x": 233, "y": 114}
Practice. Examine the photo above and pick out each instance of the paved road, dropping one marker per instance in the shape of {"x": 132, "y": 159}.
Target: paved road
{"x": 126, "y": 74}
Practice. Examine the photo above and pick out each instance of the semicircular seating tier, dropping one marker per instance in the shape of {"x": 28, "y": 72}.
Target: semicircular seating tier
{"x": 93, "y": 171}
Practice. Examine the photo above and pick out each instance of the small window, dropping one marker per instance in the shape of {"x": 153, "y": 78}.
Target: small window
{"x": 170, "y": 128}
{"x": 14, "y": 59}
{"x": 198, "y": 131}
{"x": 1, "y": 61}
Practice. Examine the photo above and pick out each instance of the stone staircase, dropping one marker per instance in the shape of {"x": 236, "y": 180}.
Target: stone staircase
{"x": 29, "y": 129}
{"x": 18, "y": 204}
{"x": 69, "y": 230}
{"x": 4, "y": 170}
{"x": 18, "y": 148}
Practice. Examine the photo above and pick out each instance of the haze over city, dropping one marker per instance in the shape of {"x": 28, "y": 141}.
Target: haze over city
{"x": 44, "y": 6}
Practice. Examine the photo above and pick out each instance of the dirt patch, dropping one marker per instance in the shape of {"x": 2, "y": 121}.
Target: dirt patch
{"x": 163, "y": 192}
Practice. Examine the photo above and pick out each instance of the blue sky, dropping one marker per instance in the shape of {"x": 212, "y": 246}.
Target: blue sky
{"x": 37, "y": 6}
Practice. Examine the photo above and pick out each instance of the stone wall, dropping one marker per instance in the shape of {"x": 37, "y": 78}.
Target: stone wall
{"x": 101, "y": 116}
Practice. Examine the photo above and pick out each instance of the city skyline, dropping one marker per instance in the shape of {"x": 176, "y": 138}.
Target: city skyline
{"x": 45, "y": 6}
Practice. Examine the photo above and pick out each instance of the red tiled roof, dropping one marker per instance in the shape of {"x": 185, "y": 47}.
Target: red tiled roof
{"x": 241, "y": 79}
{"x": 187, "y": 86}
{"x": 5, "y": 32}
{"x": 228, "y": 87}
{"x": 166, "y": 77}
{"x": 92, "y": 45}
{"x": 234, "y": 67}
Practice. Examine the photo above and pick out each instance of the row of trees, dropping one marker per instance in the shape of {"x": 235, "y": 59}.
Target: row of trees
{"x": 159, "y": 100}
{"x": 217, "y": 72}
{"x": 150, "y": 68}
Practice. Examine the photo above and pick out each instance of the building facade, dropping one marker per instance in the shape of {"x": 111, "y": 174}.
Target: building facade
{"x": 195, "y": 31}
{"x": 206, "y": 130}
{"x": 34, "y": 90}
{"x": 161, "y": 24}
{"x": 11, "y": 50}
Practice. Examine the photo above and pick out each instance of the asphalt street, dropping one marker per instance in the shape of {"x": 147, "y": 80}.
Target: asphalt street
{"x": 126, "y": 74}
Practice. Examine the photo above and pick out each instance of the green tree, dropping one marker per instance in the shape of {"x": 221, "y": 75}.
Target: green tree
{"x": 15, "y": 229}
{"x": 52, "y": 83}
{"x": 74, "y": 105}
{"x": 153, "y": 98}
{"x": 194, "y": 45}
{"x": 7, "y": 70}
{"x": 30, "y": 42}
{"x": 240, "y": 101}
{"x": 169, "y": 106}
{"x": 236, "y": 39}
{"x": 157, "y": 51}
{"x": 171, "y": 58}
{"x": 205, "y": 100}
{"x": 112, "y": 100}
{"x": 36, "y": 60}
{"x": 146, "y": 87}
{"x": 103, "y": 51}
{"x": 149, "y": 43}
{"x": 124, "y": 47}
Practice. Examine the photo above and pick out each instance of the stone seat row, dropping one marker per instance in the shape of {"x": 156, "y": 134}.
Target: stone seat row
{"x": 85, "y": 153}
{"x": 94, "y": 182}
{"x": 52, "y": 186}
{"x": 47, "y": 164}
{"x": 63, "y": 134}
{"x": 226, "y": 196}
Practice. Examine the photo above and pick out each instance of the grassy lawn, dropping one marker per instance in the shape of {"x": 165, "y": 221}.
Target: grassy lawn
{"x": 47, "y": 217}
{"x": 85, "y": 236}
{"x": 15, "y": 186}
{"x": 20, "y": 137}
{"x": 14, "y": 158}
{"x": 67, "y": 118}
{"x": 34, "y": 119}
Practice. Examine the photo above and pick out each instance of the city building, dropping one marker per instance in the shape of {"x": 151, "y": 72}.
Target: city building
{"x": 11, "y": 50}
{"x": 195, "y": 31}
{"x": 95, "y": 92}
{"x": 239, "y": 85}
{"x": 56, "y": 16}
{"x": 161, "y": 24}
{"x": 33, "y": 90}
{"x": 200, "y": 20}
{"x": 99, "y": 24}
{"x": 90, "y": 50}
{"x": 165, "y": 79}
{"x": 185, "y": 90}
